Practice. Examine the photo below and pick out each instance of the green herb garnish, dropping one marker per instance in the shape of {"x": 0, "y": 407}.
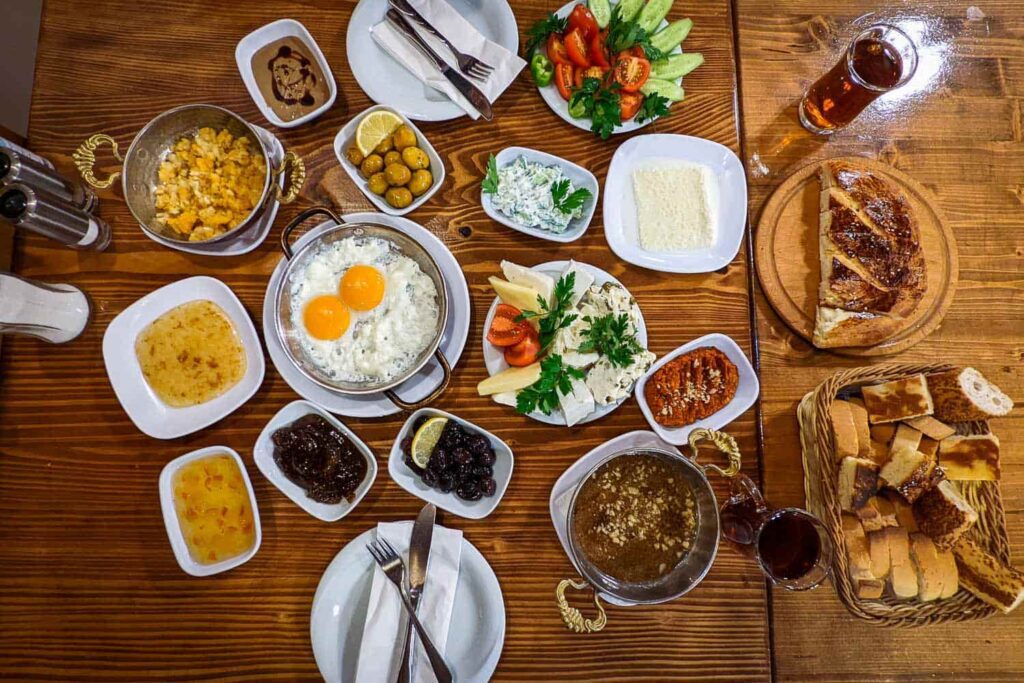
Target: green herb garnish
{"x": 490, "y": 183}
{"x": 623, "y": 35}
{"x": 543, "y": 28}
{"x": 654, "y": 107}
{"x": 599, "y": 103}
{"x": 565, "y": 202}
{"x": 556, "y": 316}
{"x": 613, "y": 337}
{"x": 542, "y": 395}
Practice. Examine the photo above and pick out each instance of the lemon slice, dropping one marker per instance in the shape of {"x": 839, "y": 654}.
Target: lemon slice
{"x": 374, "y": 128}
{"x": 426, "y": 438}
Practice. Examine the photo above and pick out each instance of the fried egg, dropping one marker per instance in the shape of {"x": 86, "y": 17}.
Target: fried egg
{"x": 362, "y": 310}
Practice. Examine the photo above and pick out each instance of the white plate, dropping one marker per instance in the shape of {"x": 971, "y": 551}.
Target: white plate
{"x": 746, "y": 391}
{"x": 263, "y": 36}
{"x": 558, "y": 105}
{"x": 475, "y": 637}
{"x": 173, "y": 525}
{"x": 263, "y": 454}
{"x": 579, "y": 176}
{"x": 249, "y": 239}
{"x": 453, "y": 341}
{"x": 151, "y": 415}
{"x": 386, "y": 81}
{"x": 494, "y": 359}
{"x": 620, "y": 227}
{"x": 561, "y": 492}
{"x": 345, "y": 138}
{"x": 411, "y": 482}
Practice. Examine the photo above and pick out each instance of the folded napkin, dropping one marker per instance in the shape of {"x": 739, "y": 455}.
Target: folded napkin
{"x": 380, "y": 656}
{"x": 465, "y": 37}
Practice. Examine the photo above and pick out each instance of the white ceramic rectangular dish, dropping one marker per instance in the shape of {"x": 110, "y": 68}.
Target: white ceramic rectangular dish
{"x": 263, "y": 454}
{"x": 263, "y": 36}
{"x": 151, "y": 415}
{"x": 580, "y": 177}
{"x": 746, "y": 391}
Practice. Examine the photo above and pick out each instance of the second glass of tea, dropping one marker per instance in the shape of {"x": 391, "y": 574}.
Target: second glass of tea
{"x": 880, "y": 58}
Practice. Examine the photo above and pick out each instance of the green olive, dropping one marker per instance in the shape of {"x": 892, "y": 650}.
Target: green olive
{"x": 378, "y": 183}
{"x": 404, "y": 137}
{"x": 371, "y": 164}
{"x": 421, "y": 182}
{"x": 385, "y": 146}
{"x": 354, "y": 156}
{"x": 392, "y": 157}
{"x": 415, "y": 158}
{"x": 398, "y": 174}
{"x": 398, "y": 197}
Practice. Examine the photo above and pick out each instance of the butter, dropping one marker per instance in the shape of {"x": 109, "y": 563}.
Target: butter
{"x": 674, "y": 206}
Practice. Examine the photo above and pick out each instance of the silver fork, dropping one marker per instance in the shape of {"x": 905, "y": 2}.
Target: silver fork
{"x": 468, "y": 64}
{"x": 391, "y": 564}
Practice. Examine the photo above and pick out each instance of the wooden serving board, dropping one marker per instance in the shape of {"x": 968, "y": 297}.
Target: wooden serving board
{"x": 786, "y": 256}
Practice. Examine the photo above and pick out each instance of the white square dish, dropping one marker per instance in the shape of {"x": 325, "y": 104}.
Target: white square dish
{"x": 411, "y": 482}
{"x": 151, "y": 415}
{"x": 620, "y": 222}
{"x": 746, "y": 391}
{"x": 263, "y": 36}
{"x": 580, "y": 177}
{"x": 263, "y": 454}
{"x": 173, "y": 526}
{"x": 346, "y": 137}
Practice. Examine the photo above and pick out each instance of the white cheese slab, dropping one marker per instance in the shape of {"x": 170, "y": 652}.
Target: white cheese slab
{"x": 521, "y": 275}
{"x": 578, "y": 403}
{"x": 582, "y": 283}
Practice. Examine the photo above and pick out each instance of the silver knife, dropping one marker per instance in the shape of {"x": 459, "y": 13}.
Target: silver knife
{"x": 419, "y": 553}
{"x": 470, "y": 91}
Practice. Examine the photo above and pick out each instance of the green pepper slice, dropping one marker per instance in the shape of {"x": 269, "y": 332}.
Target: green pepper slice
{"x": 542, "y": 70}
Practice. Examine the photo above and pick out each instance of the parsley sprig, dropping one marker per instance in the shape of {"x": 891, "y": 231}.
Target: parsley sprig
{"x": 543, "y": 28}
{"x": 567, "y": 202}
{"x": 555, "y": 317}
{"x": 490, "y": 182}
{"x": 613, "y": 337}
{"x": 654, "y": 107}
{"x": 555, "y": 378}
{"x": 601, "y": 104}
{"x": 623, "y": 35}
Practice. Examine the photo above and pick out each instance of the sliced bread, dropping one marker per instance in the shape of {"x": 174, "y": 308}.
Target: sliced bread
{"x": 944, "y": 515}
{"x": 987, "y": 577}
{"x": 964, "y": 394}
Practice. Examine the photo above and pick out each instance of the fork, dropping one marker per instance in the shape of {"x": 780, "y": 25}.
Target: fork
{"x": 468, "y": 64}
{"x": 391, "y": 564}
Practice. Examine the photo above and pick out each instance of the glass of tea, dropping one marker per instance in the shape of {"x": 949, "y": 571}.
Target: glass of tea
{"x": 791, "y": 545}
{"x": 880, "y": 58}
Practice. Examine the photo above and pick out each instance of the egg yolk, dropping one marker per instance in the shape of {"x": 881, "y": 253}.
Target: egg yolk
{"x": 362, "y": 287}
{"x": 326, "y": 317}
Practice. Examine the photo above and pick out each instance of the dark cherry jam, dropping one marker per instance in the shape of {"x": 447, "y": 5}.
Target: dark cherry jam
{"x": 313, "y": 454}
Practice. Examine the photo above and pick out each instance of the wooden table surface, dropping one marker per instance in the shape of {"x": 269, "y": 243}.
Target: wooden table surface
{"x": 89, "y": 589}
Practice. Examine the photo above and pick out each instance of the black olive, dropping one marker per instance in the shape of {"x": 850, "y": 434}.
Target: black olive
{"x": 430, "y": 478}
{"x": 487, "y": 457}
{"x": 446, "y": 483}
{"x": 462, "y": 457}
{"x": 489, "y": 487}
{"x": 469, "y": 491}
{"x": 483, "y": 471}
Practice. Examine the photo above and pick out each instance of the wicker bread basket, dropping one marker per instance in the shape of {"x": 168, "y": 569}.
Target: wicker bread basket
{"x": 820, "y": 475}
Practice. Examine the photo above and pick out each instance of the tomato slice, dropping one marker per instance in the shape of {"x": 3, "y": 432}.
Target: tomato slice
{"x": 525, "y": 352}
{"x": 556, "y": 50}
{"x": 635, "y": 51}
{"x": 576, "y": 47}
{"x": 590, "y": 72}
{"x": 629, "y": 104}
{"x": 583, "y": 19}
{"x": 564, "y": 79}
{"x": 505, "y": 331}
{"x": 632, "y": 72}
{"x": 598, "y": 52}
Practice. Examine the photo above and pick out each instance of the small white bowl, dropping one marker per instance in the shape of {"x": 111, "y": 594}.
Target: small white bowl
{"x": 263, "y": 36}
{"x": 620, "y": 225}
{"x": 411, "y": 482}
{"x": 746, "y": 391}
{"x": 173, "y": 526}
{"x": 151, "y": 415}
{"x": 263, "y": 454}
{"x": 346, "y": 138}
{"x": 580, "y": 177}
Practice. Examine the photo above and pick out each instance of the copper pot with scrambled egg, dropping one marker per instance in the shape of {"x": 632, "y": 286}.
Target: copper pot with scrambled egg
{"x": 361, "y": 308}
{"x": 196, "y": 173}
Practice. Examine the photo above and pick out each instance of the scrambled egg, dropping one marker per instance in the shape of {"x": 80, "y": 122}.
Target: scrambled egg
{"x": 209, "y": 183}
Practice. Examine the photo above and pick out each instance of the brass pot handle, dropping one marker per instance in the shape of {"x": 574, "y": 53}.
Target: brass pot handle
{"x": 286, "y": 234}
{"x": 573, "y": 618}
{"x": 296, "y": 178}
{"x": 85, "y": 160}
{"x": 426, "y": 400}
{"x": 722, "y": 442}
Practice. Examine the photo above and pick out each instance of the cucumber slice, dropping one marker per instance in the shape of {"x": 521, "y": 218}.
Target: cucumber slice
{"x": 654, "y": 12}
{"x": 668, "y": 38}
{"x": 667, "y": 89}
{"x": 601, "y": 10}
{"x": 676, "y": 66}
{"x": 628, "y": 9}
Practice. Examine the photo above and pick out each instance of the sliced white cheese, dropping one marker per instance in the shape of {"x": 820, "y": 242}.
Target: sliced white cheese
{"x": 521, "y": 275}
{"x": 582, "y": 282}
{"x": 609, "y": 383}
{"x": 578, "y": 359}
{"x": 505, "y": 398}
{"x": 578, "y": 403}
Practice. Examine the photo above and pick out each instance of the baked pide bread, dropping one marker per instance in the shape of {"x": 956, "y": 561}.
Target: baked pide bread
{"x": 964, "y": 394}
{"x": 872, "y": 264}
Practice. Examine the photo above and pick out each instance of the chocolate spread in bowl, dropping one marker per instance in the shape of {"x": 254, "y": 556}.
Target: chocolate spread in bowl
{"x": 289, "y": 79}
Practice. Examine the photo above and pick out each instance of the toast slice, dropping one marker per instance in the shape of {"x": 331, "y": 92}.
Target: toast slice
{"x": 970, "y": 458}
{"x": 844, "y": 430}
{"x": 987, "y": 577}
{"x": 900, "y": 399}
{"x": 944, "y": 515}
{"x": 903, "y": 576}
{"x": 928, "y": 566}
{"x": 964, "y": 395}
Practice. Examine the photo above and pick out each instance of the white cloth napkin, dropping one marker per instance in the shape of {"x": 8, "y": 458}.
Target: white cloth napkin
{"x": 380, "y": 656}
{"x": 465, "y": 37}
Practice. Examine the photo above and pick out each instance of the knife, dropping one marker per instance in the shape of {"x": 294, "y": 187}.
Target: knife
{"x": 419, "y": 553}
{"x": 470, "y": 91}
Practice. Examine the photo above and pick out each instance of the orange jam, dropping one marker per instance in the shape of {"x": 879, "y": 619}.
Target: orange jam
{"x": 213, "y": 508}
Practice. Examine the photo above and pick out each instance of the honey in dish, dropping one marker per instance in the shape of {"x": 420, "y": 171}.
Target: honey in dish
{"x": 191, "y": 354}
{"x": 212, "y": 503}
